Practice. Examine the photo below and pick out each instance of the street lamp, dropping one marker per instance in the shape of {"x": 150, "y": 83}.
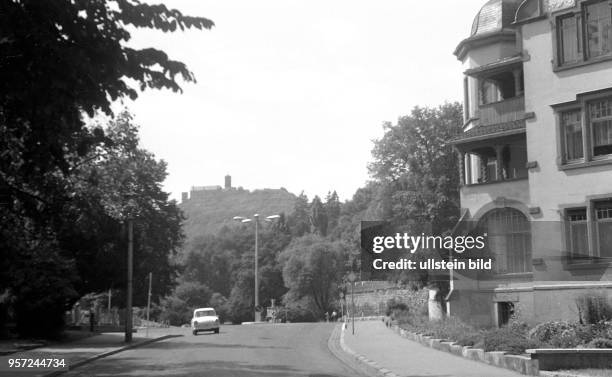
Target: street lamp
{"x": 256, "y": 220}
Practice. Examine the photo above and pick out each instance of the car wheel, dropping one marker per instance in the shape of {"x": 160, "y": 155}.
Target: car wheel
{"x": 195, "y": 332}
{"x": 217, "y": 330}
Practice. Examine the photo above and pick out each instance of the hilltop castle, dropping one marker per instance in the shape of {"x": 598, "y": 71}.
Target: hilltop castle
{"x": 199, "y": 192}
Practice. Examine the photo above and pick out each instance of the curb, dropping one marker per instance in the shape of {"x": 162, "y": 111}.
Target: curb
{"x": 22, "y": 349}
{"x": 109, "y": 353}
{"x": 559, "y": 374}
{"x": 517, "y": 363}
{"x": 372, "y": 367}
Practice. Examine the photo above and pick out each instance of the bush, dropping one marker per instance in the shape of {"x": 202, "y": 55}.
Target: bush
{"x": 593, "y": 308}
{"x": 546, "y": 331}
{"x": 600, "y": 343}
{"x": 511, "y": 339}
{"x": 394, "y": 305}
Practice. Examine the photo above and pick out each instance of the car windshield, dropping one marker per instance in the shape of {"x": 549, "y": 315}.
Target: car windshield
{"x": 204, "y": 313}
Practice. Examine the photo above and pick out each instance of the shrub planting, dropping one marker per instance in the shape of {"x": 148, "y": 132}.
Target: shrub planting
{"x": 514, "y": 338}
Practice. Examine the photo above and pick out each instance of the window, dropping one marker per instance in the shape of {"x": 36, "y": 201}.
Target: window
{"x": 569, "y": 40}
{"x": 598, "y": 31}
{"x": 578, "y": 233}
{"x": 499, "y": 87}
{"x": 600, "y": 113}
{"x": 508, "y": 239}
{"x": 580, "y": 228}
{"x": 603, "y": 228}
{"x": 591, "y": 27}
{"x": 591, "y": 120}
{"x": 572, "y": 131}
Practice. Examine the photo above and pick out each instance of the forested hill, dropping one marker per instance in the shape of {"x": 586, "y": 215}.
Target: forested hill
{"x": 208, "y": 210}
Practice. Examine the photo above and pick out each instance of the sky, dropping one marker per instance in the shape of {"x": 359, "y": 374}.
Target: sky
{"x": 292, "y": 93}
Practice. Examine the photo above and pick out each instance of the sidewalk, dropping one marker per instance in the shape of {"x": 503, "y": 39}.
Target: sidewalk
{"x": 85, "y": 350}
{"x": 407, "y": 358}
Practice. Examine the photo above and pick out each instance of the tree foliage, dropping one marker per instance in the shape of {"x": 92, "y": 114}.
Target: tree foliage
{"x": 63, "y": 184}
{"x": 313, "y": 268}
{"x": 417, "y": 167}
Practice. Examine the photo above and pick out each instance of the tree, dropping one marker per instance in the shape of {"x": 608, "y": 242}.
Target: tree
{"x": 61, "y": 59}
{"x": 299, "y": 220}
{"x": 332, "y": 209}
{"x": 313, "y": 268}
{"x": 120, "y": 181}
{"x": 418, "y": 168}
{"x": 187, "y": 296}
{"x": 318, "y": 217}
{"x": 61, "y": 62}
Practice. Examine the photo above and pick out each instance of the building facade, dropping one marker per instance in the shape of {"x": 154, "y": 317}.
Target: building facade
{"x": 536, "y": 158}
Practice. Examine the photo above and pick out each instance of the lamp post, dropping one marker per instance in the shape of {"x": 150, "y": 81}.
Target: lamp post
{"x": 352, "y": 277}
{"x": 255, "y": 219}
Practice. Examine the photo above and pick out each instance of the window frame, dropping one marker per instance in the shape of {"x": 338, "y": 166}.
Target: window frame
{"x": 593, "y": 252}
{"x": 516, "y": 218}
{"x": 584, "y": 56}
{"x": 570, "y": 232}
{"x": 582, "y": 104}
{"x": 596, "y": 224}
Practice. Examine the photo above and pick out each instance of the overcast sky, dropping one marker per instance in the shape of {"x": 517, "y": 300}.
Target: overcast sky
{"x": 291, "y": 93}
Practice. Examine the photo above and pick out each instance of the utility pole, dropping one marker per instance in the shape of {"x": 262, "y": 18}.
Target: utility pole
{"x": 257, "y": 311}
{"x": 351, "y": 278}
{"x": 130, "y": 277}
{"x": 149, "y": 297}
{"x": 353, "y": 304}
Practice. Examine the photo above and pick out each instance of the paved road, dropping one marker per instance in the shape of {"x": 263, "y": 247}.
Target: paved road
{"x": 238, "y": 351}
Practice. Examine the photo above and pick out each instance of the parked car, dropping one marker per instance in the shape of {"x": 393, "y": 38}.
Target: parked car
{"x": 204, "y": 319}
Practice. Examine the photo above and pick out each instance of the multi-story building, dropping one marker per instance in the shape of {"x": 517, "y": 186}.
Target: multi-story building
{"x": 536, "y": 157}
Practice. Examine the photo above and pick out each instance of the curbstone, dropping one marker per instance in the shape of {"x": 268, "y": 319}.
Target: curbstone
{"x": 110, "y": 353}
{"x": 370, "y": 366}
{"x": 495, "y": 358}
{"x": 522, "y": 364}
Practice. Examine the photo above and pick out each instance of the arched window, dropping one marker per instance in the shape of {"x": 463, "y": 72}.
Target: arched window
{"x": 508, "y": 239}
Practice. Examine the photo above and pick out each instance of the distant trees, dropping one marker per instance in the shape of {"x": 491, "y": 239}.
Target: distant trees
{"x": 305, "y": 258}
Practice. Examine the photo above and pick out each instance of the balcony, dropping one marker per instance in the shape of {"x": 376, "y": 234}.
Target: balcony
{"x": 508, "y": 110}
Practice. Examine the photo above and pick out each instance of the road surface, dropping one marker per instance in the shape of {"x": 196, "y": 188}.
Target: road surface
{"x": 247, "y": 350}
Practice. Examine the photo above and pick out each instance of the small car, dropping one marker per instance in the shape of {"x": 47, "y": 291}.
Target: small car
{"x": 204, "y": 319}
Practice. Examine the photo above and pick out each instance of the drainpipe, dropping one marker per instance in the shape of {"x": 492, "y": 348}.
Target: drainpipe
{"x": 464, "y": 215}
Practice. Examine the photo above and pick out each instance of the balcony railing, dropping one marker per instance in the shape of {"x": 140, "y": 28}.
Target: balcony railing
{"x": 502, "y": 111}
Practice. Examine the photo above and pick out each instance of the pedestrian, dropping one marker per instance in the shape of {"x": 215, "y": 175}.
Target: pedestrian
{"x": 326, "y": 316}
{"x": 92, "y": 319}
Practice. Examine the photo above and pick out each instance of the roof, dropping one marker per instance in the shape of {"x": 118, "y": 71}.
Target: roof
{"x": 495, "y": 15}
{"x": 491, "y": 131}
{"x": 500, "y": 64}
{"x": 494, "y": 18}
